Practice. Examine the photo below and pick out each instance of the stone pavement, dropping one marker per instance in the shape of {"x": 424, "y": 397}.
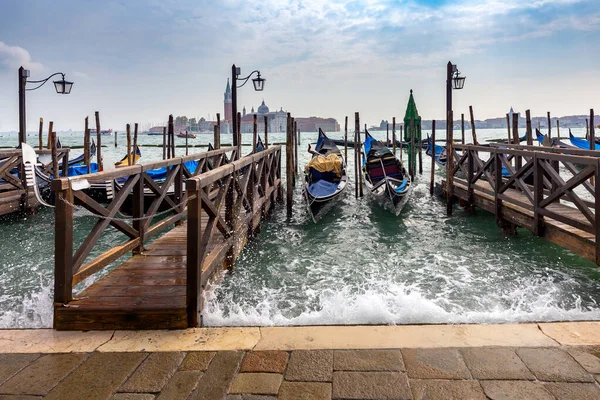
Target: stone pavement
{"x": 562, "y": 362}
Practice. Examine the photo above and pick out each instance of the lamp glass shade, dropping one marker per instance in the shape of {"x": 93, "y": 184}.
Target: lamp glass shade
{"x": 63, "y": 87}
{"x": 458, "y": 82}
{"x": 259, "y": 84}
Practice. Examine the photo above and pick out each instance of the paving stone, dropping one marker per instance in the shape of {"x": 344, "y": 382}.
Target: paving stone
{"x": 217, "y": 378}
{"x": 370, "y": 385}
{"x": 495, "y": 363}
{"x": 305, "y": 391}
{"x": 367, "y": 360}
{"x": 310, "y": 365}
{"x": 98, "y": 377}
{"x": 522, "y": 390}
{"x": 249, "y": 397}
{"x": 587, "y": 359}
{"x": 10, "y": 364}
{"x": 574, "y": 391}
{"x": 256, "y": 383}
{"x": 43, "y": 374}
{"x": 180, "y": 386}
{"x": 133, "y": 396}
{"x": 435, "y": 364}
{"x": 437, "y": 389}
{"x": 197, "y": 361}
{"x": 553, "y": 365}
{"x": 19, "y": 397}
{"x": 154, "y": 373}
{"x": 597, "y": 378}
{"x": 265, "y": 361}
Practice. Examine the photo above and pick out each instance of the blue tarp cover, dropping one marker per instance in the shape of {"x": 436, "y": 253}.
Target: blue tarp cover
{"x": 582, "y": 143}
{"x": 80, "y": 169}
{"x": 322, "y": 188}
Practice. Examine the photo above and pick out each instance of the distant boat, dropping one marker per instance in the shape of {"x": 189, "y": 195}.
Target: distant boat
{"x": 104, "y": 132}
{"x": 186, "y": 134}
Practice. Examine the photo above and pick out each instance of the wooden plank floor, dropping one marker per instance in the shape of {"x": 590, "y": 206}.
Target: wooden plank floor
{"x": 145, "y": 292}
{"x": 574, "y": 239}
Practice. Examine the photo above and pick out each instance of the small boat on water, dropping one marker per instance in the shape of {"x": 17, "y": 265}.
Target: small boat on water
{"x": 385, "y": 176}
{"x": 186, "y": 134}
{"x": 325, "y": 177}
{"x": 439, "y": 153}
{"x": 582, "y": 143}
{"x": 103, "y": 132}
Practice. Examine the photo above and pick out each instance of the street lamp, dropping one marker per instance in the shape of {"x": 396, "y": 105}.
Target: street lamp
{"x": 453, "y": 81}
{"x": 259, "y": 85}
{"x": 62, "y": 86}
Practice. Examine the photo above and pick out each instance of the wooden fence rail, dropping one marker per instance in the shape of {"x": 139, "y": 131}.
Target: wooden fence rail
{"x": 535, "y": 188}
{"x": 225, "y": 206}
{"x": 152, "y": 207}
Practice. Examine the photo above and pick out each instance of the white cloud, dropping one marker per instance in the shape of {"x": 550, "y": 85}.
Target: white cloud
{"x": 15, "y": 56}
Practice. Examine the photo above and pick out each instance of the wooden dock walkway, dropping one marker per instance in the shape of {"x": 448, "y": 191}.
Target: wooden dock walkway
{"x": 161, "y": 286}
{"x": 551, "y": 192}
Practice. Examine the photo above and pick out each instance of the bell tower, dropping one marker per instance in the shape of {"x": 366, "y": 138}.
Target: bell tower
{"x": 227, "y": 102}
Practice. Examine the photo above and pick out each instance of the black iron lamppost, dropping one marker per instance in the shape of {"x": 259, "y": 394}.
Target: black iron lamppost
{"x": 259, "y": 85}
{"x": 453, "y": 81}
{"x": 62, "y": 86}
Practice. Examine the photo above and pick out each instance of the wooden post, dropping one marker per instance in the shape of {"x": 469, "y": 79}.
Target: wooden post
{"x": 266, "y": 132}
{"x": 40, "y": 144}
{"x": 128, "y": 130}
{"x": 473, "y": 132}
{"x": 99, "y": 143}
{"x": 50, "y": 127}
{"x": 115, "y": 139}
{"x": 134, "y": 148}
{"x": 587, "y": 129}
{"x": 217, "y": 137}
{"x": 394, "y": 136}
{"x": 239, "y": 135}
{"x": 549, "y": 126}
{"x": 289, "y": 167}
{"x": 432, "y": 157}
{"x": 171, "y": 133}
{"x": 529, "y": 132}
{"x": 449, "y": 165}
{"x": 411, "y": 152}
{"x": 164, "y": 142}
{"x": 55, "y": 172}
{"x": 186, "y": 142}
{"x": 592, "y": 132}
{"x": 356, "y": 159}
{"x": 194, "y": 243}
{"x": 346, "y": 140}
{"x": 296, "y": 139}
{"x": 86, "y": 144}
{"x": 63, "y": 242}
{"x": 395, "y": 139}
{"x": 518, "y": 159}
{"x": 558, "y": 129}
{"x": 360, "y": 171}
{"x": 508, "y": 128}
{"x": 539, "y": 125}
{"x": 254, "y": 132}
{"x": 420, "y": 150}
{"x": 387, "y": 134}
{"x": 462, "y": 128}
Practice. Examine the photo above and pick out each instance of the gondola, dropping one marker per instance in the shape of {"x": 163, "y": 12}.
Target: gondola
{"x": 125, "y": 160}
{"x": 325, "y": 177}
{"x": 439, "y": 156}
{"x": 385, "y": 176}
{"x": 582, "y": 143}
{"x": 544, "y": 141}
{"x": 399, "y": 144}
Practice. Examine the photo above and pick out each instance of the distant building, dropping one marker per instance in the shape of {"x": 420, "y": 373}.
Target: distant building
{"x": 277, "y": 120}
{"x": 312, "y": 124}
{"x": 227, "y": 102}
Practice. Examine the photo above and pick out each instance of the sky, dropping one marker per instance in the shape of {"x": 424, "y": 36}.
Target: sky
{"x": 139, "y": 61}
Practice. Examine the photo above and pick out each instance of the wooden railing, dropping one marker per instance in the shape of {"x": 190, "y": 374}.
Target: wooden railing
{"x": 225, "y": 206}
{"x": 139, "y": 195}
{"x": 542, "y": 177}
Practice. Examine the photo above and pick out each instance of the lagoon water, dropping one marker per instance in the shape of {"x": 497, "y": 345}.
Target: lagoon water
{"x": 358, "y": 265}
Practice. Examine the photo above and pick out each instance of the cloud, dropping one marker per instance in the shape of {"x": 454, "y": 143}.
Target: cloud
{"x": 14, "y": 56}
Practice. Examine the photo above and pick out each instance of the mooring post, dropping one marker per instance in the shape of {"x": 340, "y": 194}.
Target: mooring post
{"x": 50, "y": 128}
{"x": 128, "y": 130}
{"x": 420, "y": 149}
{"x": 549, "y": 126}
{"x": 86, "y": 145}
{"x": 360, "y": 157}
{"x": 135, "y": 137}
{"x": 186, "y": 142}
{"x": 387, "y": 134}
{"x": 239, "y": 136}
{"x": 356, "y": 157}
{"x": 592, "y": 131}
{"x": 412, "y": 163}
{"x": 217, "y": 134}
{"x": 597, "y": 208}
{"x": 529, "y": 132}
{"x": 63, "y": 241}
{"x": 558, "y": 128}
{"x": 394, "y": 137}
{"x": 296, "y": 144}
{"x": 138, "y": 207}
{"x": 508, "y": 128}
{"x": 587, "y": 129}
{"x": 449, "y": 163}
{"x": 194, "y": 244}
{"x": 40, "y": 144}
{"x": 115, "y": 139}
{"x": 99, "y": 143}
{"x": 55, "y": 171}
{"x": 346, "y": 140}
{"x": 518, "y": 159}
{"x": 432, "y": 147}
{"x": 254, "y": 132}
{"x": 289, "y": 167}
{"x": 473, "y": 133}
{"x": 164, "y": 142}
{"x": 171, "y": 150}
{"x": 266, "y": 132}
{"x": 462, "y": 128}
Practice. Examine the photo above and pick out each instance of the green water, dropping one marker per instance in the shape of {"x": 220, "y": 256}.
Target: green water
{"x": 359, "y": 264}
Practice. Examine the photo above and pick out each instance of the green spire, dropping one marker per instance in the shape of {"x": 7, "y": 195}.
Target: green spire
{"x": 411, "y": 110}
{"x": 228, "y": 88}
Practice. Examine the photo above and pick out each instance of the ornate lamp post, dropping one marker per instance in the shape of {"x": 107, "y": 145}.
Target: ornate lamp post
{"x": 453, "y": 81}
{"x": 259, "y": 85}
{"x": 62, "y": 86}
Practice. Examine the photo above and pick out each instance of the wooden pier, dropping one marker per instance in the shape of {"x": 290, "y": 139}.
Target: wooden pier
{"x": 552, "y": 192}
{"x": 224, "y": 201}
